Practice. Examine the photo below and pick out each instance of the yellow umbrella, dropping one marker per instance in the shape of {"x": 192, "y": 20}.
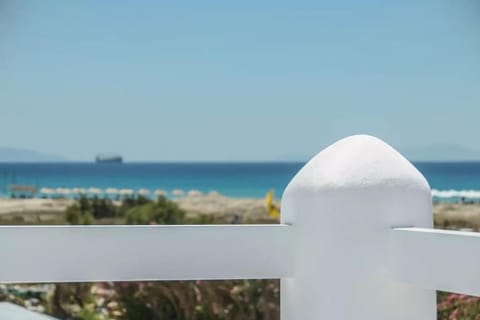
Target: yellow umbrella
{"x": 273, "y": 210}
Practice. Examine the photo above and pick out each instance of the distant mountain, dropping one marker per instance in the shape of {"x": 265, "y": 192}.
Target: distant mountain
{"x": 434, "y": 152}
{"x": 25, "y": 155}
{"x": 441, "y": 152}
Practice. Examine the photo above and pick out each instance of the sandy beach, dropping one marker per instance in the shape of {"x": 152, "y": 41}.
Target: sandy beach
{"x": 217, "y": 204}
{"x": 33, "y": 206}
{"x": 457, "y": 216}
{"x": 212, "y": 203}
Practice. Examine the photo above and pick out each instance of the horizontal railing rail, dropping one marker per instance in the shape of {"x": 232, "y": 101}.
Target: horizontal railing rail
{"x": 128, "y": 253}
{"x": 436, "y": 259}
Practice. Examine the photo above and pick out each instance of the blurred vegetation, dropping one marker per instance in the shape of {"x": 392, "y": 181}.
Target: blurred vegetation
{"x": 132, "y": 202}
{"x": 201, "y": 300}
{"x": 448, "y": 221}
{"x": 86, "y": 210}
{"x": 163, "y": 211}
{"x": 454, "y": 306}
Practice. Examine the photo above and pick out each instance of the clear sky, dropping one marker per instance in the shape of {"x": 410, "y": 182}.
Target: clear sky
{"x": 238, "y": 80}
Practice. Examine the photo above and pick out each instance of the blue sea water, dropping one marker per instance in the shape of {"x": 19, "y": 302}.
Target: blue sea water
{"x": 231, "y": 179}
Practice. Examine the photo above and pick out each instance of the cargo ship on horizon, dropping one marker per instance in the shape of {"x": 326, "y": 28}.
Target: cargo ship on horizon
{"x": 108, "y": 158}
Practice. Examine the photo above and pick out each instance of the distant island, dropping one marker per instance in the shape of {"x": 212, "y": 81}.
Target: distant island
{"x": 425, "y": 153}
{"x": 441, "y": 152}
{"x": 8, "y": 154}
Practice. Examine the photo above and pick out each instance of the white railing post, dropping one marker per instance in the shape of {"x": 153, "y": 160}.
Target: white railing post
{"x": 342, "y": 206}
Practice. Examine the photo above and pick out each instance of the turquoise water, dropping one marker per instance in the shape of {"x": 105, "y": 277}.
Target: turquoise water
{"x": 232, "y": 179}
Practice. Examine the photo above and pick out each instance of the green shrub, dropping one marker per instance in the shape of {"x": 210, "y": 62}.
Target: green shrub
{"x": 132, "y": 202}
{"x": 163, "y": 211}
{"x": 85, "y": 211}
{"x": 102, "y": 208}
{"x": 74, "y": 215}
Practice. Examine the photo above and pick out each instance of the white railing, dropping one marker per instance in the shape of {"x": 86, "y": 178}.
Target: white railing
{"x": 355, "y": 243}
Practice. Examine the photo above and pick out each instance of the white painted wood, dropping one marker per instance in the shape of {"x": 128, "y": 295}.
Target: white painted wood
{"x": 10, "y": 311}
{"x": 436, "y": 259}
{"x": 342, "y": 206}
{"x": 124, "y": 253}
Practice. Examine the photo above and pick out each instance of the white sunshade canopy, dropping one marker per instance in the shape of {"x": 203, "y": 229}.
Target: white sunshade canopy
{"x": 160, "y": 192}
{"x": 143, "y": 192}
{"x": 126, "y": 192}
{"x": 112, "y": 191}
{"x": 95, "y": 190}
{"x": 178, "y": 192}
{"x": 47, "y": 191}
{"x": 195, "y": 193}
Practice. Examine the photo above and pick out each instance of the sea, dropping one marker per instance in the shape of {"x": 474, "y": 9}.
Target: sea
{"x": 450, "y": 181}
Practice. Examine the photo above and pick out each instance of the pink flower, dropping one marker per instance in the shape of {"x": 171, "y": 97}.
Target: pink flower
{"x": 452, "y": 297}
{"x": 453, "y": 315}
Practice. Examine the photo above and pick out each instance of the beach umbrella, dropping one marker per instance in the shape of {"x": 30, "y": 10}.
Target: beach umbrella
{"x": 61, "y": 191}
{"x": 112, "y": 191}
{"x": 78, "y": 190}
{"x": 470, "y": 194}
{"x": 143, "y": 192}
{"x": 194, "y": 193}
{"x": 160, "y": 192}
{"x": 126, "y": 192}
{"x": 47, "y": 191}
{"x": 64, "y": 191}
{"x": 178, "y": 192}
{"x": 95, "y": 191}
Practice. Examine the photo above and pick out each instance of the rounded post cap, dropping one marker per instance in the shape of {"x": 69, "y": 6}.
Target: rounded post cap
{"x": 357, "y": 162}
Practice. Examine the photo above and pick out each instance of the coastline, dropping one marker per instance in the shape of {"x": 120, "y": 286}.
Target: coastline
{"x": 31, "y": 210}
{"x": 446, "y": 215}
{"x": 33, "y": 206}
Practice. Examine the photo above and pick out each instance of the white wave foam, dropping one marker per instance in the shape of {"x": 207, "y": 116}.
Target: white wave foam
{"x": 470, "y": 194}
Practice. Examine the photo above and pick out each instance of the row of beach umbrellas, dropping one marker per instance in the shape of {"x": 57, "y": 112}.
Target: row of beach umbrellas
{"x": 470, "y": 194}
{"x": 115, "y": 192}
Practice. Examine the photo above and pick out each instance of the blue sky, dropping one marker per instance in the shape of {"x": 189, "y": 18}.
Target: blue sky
{"x": 245, "y": 80}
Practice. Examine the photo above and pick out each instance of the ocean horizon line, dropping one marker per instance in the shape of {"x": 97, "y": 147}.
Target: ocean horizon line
{"x": 214, "y": 162}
